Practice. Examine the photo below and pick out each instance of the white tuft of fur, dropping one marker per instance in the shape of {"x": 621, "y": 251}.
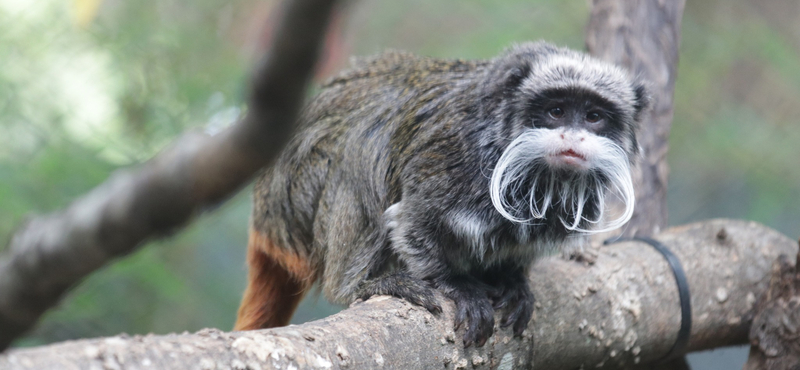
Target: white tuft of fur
{"x": 471, "y": 229}
{"x": 527, "y": 158}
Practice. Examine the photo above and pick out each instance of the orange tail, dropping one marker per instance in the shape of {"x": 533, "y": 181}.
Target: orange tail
{"x": 277, "y": 280}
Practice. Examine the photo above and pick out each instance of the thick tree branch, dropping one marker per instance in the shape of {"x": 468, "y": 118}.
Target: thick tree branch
{"x": 620, "y": 310}
{"x": 52, "y": 253}
{"x": 643, "y": 36}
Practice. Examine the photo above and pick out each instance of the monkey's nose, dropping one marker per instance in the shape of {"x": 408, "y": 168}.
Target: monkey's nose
{"x": 572, "y": 137}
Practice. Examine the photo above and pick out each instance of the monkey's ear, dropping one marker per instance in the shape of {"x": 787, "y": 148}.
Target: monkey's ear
{"x": 515, "y": 75}
{"x": 641, "y": 99}
{"x": 501, "y": 82}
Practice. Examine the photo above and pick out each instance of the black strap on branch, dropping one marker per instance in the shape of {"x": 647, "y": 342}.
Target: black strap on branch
{"x": 683, "y": 292}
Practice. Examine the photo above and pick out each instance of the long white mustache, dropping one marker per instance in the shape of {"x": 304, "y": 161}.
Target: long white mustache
{"x": 525, "y": 159}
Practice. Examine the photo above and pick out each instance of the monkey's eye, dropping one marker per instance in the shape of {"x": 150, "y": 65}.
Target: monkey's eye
{"x": 556, "y": 112}
{"x": 593, "y": 117}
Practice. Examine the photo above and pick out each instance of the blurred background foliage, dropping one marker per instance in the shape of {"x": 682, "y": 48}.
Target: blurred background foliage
{"x": 89, "y": 86}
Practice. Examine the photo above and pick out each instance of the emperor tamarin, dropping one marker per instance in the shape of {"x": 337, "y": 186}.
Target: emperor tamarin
{"x": 410, "y": 174}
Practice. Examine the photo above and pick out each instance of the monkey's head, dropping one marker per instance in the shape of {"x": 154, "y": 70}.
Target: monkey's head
{"x": 566, "y": 126}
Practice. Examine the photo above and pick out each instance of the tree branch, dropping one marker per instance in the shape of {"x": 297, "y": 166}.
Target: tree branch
{"x": 52, "y": 253}
{"x": 620, "y": 310}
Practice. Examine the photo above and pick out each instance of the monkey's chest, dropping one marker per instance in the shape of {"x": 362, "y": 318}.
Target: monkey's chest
{"x": 491, "y": 240}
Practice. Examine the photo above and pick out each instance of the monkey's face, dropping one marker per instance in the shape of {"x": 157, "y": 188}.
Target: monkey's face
{"x": 567, "y": 136}
{"x": 572, "y": 148}
{"x": 562, "y": 172}
{"x": 576, "y": 122}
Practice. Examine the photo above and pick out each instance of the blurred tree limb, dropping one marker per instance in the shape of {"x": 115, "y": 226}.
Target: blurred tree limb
{"x": 51, "y": 253}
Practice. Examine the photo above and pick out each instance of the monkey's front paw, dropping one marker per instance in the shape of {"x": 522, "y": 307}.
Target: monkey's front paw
{"x": 401, "y": 285}
{"x": 474, "y": 309}
{"x": 517, "y": 300}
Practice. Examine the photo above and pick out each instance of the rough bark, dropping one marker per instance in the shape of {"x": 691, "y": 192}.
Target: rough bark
{"x": 775, "y": 332}
{"x": 51, "y": 253}
{"x": 617, "y": 310}
{"x": 644, "y": 35}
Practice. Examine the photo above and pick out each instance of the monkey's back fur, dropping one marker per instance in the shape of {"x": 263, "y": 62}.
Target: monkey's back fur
{"x": 325, "y": 197}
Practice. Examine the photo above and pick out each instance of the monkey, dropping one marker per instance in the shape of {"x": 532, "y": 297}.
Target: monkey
{"x": 410, "y": 175}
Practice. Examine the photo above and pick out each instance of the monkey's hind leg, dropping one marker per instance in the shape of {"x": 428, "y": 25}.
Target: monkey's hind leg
{"x": 277, "y": 280}
{"x": 402, "y": 285}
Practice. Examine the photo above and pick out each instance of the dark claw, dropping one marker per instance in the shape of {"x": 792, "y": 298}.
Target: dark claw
{"x": 474, "y": 310}
{"x": 522, "y": 322}
{"x": 481, "y": 322}
{"x": 461, "y": 317}
{"x": 517, "y": 300}
{"x": 499, "y": 304}
{"x": 519, "y": 316}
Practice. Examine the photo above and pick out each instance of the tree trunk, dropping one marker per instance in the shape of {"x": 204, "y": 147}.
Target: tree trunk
{"x": 643, "y": 36}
